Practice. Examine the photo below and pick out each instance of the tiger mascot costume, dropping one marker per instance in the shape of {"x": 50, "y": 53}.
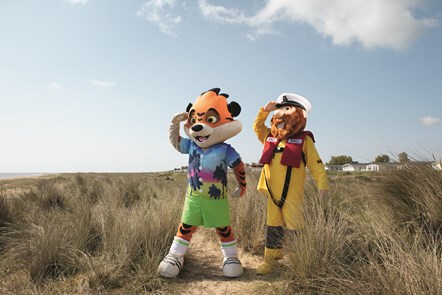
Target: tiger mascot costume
{"x": 288, "y": 150}
{"x": 209, "y": 122}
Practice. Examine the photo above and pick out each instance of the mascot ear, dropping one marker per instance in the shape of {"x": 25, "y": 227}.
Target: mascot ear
{"x": 189, "y": 106}
{"x": 234, "y": 108}
{"x": 216, "y": 90}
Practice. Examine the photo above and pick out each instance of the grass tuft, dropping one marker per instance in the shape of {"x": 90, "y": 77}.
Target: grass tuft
{"x": 106, "y": 234}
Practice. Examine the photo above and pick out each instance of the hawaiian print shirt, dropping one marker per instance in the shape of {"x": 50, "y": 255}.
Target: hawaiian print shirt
{"x": 207, "y": 171}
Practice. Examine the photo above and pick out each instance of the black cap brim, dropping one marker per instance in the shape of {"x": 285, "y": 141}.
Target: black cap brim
{"x": 290, "y": 103}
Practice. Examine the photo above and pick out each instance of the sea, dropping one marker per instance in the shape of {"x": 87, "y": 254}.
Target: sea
{"x": 6, "y": 175}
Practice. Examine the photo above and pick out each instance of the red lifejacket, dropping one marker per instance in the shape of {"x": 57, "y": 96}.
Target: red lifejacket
{"x": 292, "y": 154}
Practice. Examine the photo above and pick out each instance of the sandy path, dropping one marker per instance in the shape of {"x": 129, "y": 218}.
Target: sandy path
{"x": 202, "y": 272}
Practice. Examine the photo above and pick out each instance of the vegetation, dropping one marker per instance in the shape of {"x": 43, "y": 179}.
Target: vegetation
{"x": 94, "y": 233}
{"x": 403, "y": 157}
{"x": 106, "y": 234}
{"x": 373, "y": 236}
{"x": 340, "y": 160}
{"x": 343, "y": 159}
{"x": 382, "y": 159}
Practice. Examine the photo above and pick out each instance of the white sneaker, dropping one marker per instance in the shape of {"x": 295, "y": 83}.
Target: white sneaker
{"x": 232, "y": 267}
{"x": 171, "y": 265}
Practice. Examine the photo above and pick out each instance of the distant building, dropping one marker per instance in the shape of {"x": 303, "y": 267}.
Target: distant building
{"x": 368, "y": 167}
{"x": 362, "y": 167}
{"x": 333, "y": 167}
{"x": 355, "y": 166}
{"x": 373, "y": 167}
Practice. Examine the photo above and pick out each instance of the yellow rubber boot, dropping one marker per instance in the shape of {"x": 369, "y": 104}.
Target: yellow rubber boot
{"x": 271, "y": 256}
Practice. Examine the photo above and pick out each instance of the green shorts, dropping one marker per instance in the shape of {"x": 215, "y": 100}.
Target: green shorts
{"x": 208, "y": 212}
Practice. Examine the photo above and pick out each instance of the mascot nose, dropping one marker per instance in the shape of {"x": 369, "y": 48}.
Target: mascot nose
{"x": 197, "y": 127}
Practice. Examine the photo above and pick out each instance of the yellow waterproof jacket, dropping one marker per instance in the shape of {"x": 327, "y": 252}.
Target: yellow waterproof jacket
{"x": 275, "y": 172}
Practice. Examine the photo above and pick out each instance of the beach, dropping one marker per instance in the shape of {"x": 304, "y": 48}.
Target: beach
{"x": 13, "y": 175}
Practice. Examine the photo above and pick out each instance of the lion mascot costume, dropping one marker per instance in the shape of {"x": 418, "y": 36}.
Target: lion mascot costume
{"x": 288, "y": 150}
{"x": 209, "y": 122}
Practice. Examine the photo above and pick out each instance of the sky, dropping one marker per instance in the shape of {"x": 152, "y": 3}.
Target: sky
{"x": 92, "y": 85}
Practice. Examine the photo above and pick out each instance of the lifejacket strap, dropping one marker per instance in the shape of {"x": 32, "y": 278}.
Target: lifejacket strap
{"x": 285, "y": 190}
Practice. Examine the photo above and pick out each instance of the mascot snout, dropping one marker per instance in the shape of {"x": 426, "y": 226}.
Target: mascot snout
{"x": 197, "y": 127}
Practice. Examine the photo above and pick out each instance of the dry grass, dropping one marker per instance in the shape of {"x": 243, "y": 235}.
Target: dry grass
{"x": 106, "y": 233}
{"x": 373, "y": 237}
{"x": 414, "y": 195}
{"x": 108, "y": 230}
{"x": 248, "y": 215}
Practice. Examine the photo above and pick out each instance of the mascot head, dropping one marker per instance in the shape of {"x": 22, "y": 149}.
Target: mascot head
{"x": 211, "y": 119}
{"x": 290, "y": 117}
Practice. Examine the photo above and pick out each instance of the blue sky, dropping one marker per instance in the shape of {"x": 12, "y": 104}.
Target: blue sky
{"x": 91, "y": 85}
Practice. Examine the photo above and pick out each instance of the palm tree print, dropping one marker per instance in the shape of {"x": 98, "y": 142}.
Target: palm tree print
{"x": 214, "y": 192}
{"x": 194, "y": 164}
{"x": 221, "y": 175}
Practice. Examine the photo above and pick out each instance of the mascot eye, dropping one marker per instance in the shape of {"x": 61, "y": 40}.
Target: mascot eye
{"x": 192, "y": 118}
{"x": 212, "y": 116}
{"x": 212, "y": 119}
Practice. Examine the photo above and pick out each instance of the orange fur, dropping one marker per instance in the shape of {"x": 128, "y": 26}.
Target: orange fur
{"x": 186, "y": 231}
{"x": 225, "y": 234}
{"x": 201, "y": 110}
{"x": 240, "y": 175}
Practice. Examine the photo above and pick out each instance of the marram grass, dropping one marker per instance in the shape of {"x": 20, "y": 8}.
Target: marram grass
{"x": 106, "y": 234}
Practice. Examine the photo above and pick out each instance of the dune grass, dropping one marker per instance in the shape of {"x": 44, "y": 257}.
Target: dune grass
{"x": 379, "y": 236}
{"x": 111, "y": 231}
{"x": 248, "y": 215}
{"x": 106, "y": 233}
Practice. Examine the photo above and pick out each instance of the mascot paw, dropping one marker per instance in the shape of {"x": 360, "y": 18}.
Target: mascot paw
{"x": 171, "y": 265}
{"x": 232, "y": 267}
{"x": 265, "y": 268}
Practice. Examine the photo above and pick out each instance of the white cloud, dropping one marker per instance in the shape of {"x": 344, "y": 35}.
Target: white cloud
{"x": 159, "y": 13}
{"x": 222, "y": 14}
{"x": 74, "y": 2}
{"x": 374, "y": 23}
{"x": 102, "y": 84}
{"x": 430, "y": 121}
{"x": 54, "y": 86}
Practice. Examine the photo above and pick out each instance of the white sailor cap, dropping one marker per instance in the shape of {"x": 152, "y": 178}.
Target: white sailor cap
{"x": 293, "y": 100}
